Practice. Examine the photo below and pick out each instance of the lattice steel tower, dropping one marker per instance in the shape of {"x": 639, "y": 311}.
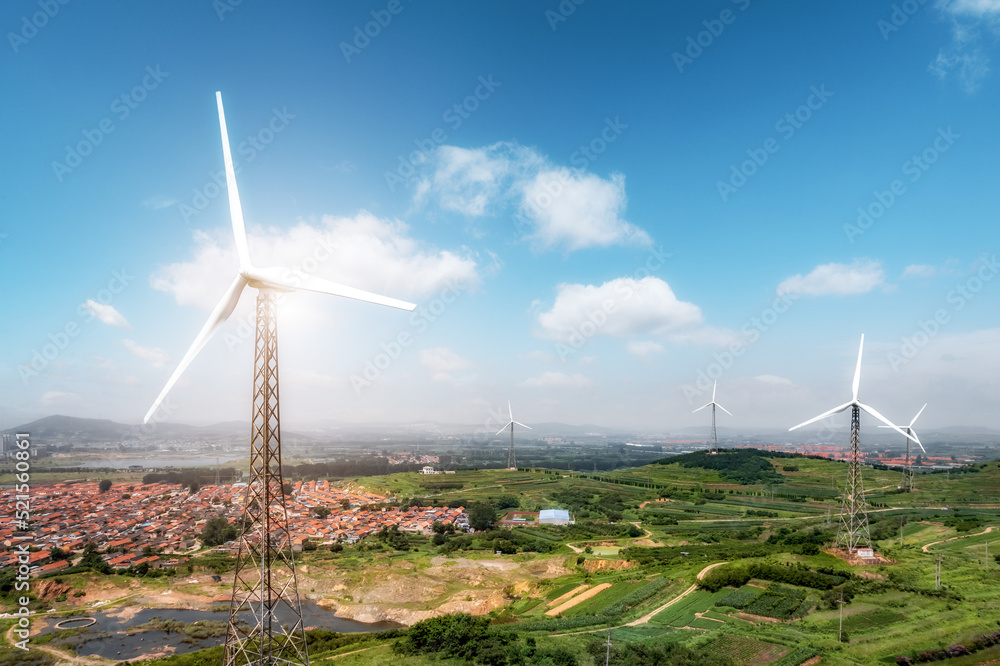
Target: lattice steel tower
{"x": 265, "y": 615}
{"x": 853, "y": 531}
{"x": 713, "y": 447}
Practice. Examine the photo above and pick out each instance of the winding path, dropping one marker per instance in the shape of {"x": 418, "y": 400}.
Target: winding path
{"x": 964, "y": 536}
{"x": 648, "y": 616}
{"x": 645, "y": 618}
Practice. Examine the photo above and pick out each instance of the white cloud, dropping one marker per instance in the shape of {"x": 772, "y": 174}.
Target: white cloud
{"x": 859, "y": 277}
{"x": 441, "y": 362}
{"x": 159, "y": 202}
{"x": 540, "y": 356}
{"x": 562, "y": 207}
{"x": 468, "y": 181}
{"x": 971, "y": 67}
{"x": 977, "y": 8}
{"x": 963, "y": 57}
{"x": 361, "y": 251}
{"x": 776, "y": 381}
{"x": 60, "y": 399}
{"x": 154, "y": 355}
{"x": 559, "y": 380}
{"x": 578, "y": 210}
{"x": 106, "y": 314}
{"x": 919, "y": 270}
{"x": 620, "y": 308}
{"x": 643, "y": 349}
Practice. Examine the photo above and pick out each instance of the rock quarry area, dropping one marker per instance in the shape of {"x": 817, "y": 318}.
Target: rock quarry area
{"x": 405, "y": 593}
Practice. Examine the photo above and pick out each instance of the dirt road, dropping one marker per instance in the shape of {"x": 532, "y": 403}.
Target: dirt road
{"x": 964, "y": 536}
{"x": 701, "y": 576}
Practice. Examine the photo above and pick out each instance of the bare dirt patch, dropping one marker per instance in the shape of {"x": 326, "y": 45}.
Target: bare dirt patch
{"x": 576, "y": 590}
{"x": 607, "y": 565}
{"x": 597, "y": 589}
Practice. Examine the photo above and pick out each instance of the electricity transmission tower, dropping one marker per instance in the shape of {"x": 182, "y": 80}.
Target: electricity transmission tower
{"x": 853, "y": 529}
{"x": 265, "y": 615}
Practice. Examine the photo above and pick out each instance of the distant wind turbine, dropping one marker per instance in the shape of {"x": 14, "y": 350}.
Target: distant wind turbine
{"x": 853, "y": 514}
{"x": 715, "y": 437}
{"x": 907, "y": 483}
{"x": 511, "y": 460}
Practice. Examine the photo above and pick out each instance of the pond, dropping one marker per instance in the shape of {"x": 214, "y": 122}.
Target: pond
{"x": 107, "y": 638}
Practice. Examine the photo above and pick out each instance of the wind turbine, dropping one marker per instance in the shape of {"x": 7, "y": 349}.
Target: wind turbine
{"x": 713, "y": 405}
{"x": 511, "y": 460}
{"x": 853, "y": 514}
{"x": 908, "y": 470}
{"x": 264, "y": 585}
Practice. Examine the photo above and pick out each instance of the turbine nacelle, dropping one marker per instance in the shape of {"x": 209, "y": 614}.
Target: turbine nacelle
{"x": 709, "y": 404}
{"x": 510, "y": 424}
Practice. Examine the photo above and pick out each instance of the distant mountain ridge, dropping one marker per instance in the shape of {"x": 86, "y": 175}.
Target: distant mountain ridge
{"x": 62, "y": 427}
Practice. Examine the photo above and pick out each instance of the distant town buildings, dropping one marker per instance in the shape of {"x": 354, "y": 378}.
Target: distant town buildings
{"x": 167, "y": 520}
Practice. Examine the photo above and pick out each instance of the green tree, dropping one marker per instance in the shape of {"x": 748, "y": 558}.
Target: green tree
{"x": 58, "y": 553}
{"x": 481, "y": 516}
{"x": 218, "y": 531}
{"x": 321, "y": 512}
{"x": 104, "y": 486}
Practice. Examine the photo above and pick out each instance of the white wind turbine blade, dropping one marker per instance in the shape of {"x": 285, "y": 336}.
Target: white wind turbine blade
{"x": 884, "y": 420}
{"x": 824, "y": 415}
{"x": 714, "y": 386}
{"x": 219, "y": 315}
{"x": 235, "y": 209}
{"x": 723, "y": 409}
{"x": 511, "y": 424}
{"x": 857, "y": 370}
{"x": 703, "y": 407}
{"x": 918, "y": 415}
{"x": 521, "y": 424}
{"x": 287, "y": 280}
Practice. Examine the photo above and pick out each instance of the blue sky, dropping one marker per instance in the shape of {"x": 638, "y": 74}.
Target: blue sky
{"x": 598, "y": 206}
